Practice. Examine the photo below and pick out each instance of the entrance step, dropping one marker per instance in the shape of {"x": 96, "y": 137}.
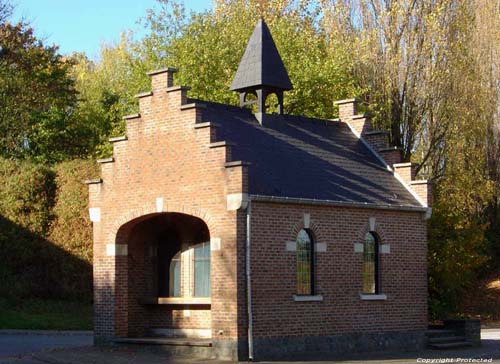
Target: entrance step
{"x": 165, "y": 341}
{"x": 445, "y": 339}
{"x": 439, "y": 333}
{"x": 197, "y": 348}
{"x": 451, "y": 345}
{"x": 442, "y": 339}
{"x": 184, "y": 333}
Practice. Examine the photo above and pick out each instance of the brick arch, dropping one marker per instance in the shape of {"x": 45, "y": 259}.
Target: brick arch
{"x": 366, "y": 228}
{"x": 313, "y": 227}
{"x": 122, "y": 225}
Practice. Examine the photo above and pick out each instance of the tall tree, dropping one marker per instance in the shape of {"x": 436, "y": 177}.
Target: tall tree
{"x": 36, "y": 97}
{"x": 208, "y": 46}
{"x": 5, "y": 10}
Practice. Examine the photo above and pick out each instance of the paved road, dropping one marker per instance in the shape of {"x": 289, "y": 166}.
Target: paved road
{"x": 18, "y": 343}
{"x": 76, "y": 349}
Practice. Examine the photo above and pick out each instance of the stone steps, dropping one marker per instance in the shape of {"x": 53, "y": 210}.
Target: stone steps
{"x": 452, "y": 345}
{"x": 443, "y": 339}
{"x": 192, "y": 347}
{"x": 439, "y": 332}
{"x": 165, "y": 341}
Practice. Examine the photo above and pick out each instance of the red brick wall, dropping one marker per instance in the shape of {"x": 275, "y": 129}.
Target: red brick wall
{"x": 163, "y": 156}
{"x": 338, "y": 272}
{"x": 391, "y": 155}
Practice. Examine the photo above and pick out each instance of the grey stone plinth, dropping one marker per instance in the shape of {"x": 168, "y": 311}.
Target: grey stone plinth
{"x": 337, "y": 345}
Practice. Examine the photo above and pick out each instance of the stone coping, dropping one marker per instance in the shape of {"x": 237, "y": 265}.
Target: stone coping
{"x": 162, "y": 70}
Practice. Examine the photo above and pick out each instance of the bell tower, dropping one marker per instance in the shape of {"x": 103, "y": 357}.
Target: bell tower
{"x": 261, "y": 71}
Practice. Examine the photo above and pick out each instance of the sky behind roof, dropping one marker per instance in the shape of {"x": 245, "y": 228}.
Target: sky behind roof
{"x": 82, "y": 25}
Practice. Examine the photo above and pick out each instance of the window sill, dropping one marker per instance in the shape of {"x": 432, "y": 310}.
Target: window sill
{"x": 315, "y": 298}
{"x": 373, "y": 297}
{"x": 177, "y": 301}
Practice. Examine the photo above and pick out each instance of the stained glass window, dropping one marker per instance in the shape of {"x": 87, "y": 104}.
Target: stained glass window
{"x": 304, "y": 263}
{"x": 370, "y": 264}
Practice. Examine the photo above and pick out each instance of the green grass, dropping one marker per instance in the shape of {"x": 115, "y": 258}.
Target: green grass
{"x": 45, "y": 315}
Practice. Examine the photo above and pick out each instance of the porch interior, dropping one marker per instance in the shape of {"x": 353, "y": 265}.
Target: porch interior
{"x": 169, "y": 282}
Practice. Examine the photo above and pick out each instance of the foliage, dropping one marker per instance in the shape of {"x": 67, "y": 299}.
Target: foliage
{"x": 430, "y": 72}
{"x": 36, "y": 98}
{"x": 35, "y": 205}
{"x": 71, "y": 228}
{"x": 106, "y": 93}
{"x": 5, "y": 10}
{"x": 208, "y": 46}
{"x": 27, "y": 194}
{"x": 457, "y": 253}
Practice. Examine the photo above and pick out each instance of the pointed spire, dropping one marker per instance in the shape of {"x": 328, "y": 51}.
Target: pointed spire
{"x": 261, "y": 65}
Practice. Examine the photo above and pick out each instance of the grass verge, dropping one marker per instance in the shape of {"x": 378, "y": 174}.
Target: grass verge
{"x": 38, "y": 314}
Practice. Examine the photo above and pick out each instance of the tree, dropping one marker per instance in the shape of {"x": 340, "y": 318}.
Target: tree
{"x": 5, "y": 10}
{"x": 36, "y": 97}
{"x": 106, "y": 91}
{"x": 207, "y": 48}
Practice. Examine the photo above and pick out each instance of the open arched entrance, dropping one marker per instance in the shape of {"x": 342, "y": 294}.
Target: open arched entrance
{"x": 166, "y": 282}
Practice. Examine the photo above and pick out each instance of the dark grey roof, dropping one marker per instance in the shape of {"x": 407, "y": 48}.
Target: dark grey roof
{"x": 261, "y": 64}
{"x": 301, "y": 157}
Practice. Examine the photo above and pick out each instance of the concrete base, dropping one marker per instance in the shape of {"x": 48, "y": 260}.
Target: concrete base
{"x": 221, "y": 350}
{"x": 199, "y": 352}
{"x": 338, "y": 345}
{"x": 103, "y": 340}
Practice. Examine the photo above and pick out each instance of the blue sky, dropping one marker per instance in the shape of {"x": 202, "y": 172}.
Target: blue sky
{"x": 82, "y": 25}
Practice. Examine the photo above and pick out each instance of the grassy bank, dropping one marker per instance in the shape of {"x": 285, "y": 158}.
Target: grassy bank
{"x": 45, "y": 315}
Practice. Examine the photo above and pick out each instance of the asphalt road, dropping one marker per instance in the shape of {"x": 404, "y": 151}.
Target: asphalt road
{"x": 75, "y": 348}
{"x": 15, "y": 344}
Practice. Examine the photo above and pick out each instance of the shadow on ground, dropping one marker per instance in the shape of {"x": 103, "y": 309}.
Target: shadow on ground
{"x": 488, "y": 352}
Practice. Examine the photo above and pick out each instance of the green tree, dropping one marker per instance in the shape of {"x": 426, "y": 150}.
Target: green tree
{"x": 208, "y": 46}
{"x": 106, "y": 91}
{"x": 36, "y": 98}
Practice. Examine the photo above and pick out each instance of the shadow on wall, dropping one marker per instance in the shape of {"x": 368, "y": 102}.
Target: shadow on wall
{"x": 32, "y": 266}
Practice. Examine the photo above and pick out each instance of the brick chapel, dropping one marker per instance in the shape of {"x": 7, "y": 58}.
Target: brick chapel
{"x": 241, "y": 234}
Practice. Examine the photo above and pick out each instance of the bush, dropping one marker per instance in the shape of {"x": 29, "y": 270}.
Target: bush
{"x": 46, "y": 238}
{"x": 457, "y": 254}
{"x": 27, "y": 194}
{"x": 71, "y": 229}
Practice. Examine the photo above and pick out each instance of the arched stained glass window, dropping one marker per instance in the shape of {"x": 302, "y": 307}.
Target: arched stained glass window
{"x": 305, "y": 263}
{"x": 371, "y": 264}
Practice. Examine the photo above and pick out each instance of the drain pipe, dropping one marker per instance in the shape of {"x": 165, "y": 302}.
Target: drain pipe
{"x": 249, "y": 281}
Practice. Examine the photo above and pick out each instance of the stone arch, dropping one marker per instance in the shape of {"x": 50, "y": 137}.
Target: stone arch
{"x": 313, "y": 228}
{"x": 377, "y": 229}
{"x": 122, "y": 225}
{"x": 146, "y": 239}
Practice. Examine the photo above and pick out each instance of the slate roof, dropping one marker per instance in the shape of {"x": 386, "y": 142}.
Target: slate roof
{"x": 301, "y": 157}
{"x": 261, "y": 64}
